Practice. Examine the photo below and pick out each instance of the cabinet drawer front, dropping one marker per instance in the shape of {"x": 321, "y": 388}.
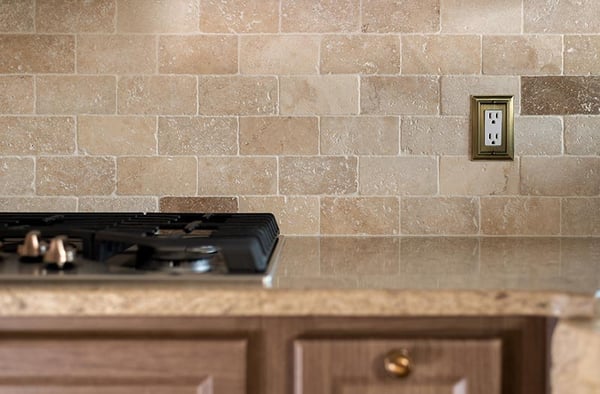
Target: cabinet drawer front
{"x": 325, "y": 366}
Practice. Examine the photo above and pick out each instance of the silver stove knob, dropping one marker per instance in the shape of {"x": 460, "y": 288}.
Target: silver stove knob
{"x": 32, "y": 246}
{"x": 58, "y": 254}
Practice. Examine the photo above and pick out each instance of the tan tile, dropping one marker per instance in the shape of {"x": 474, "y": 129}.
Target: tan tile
{"x": 536, "y": 135}
{"x": 439, "y": 215}
{"x": 244, "y": 16}
{"x": 434, "y": 54}
{"x": 277, "y": 54}
{"x": 75, "y": 175}
{"x": 360, "y": 54}
{"x": 404, "y": 16}
{"x": 161, "y": 94}
{"x": 318, "y": 16}
{"x": 359, "y": 135}
{"x": 197, "y": 136}
{"x": 582, "y": 135}
{"x": 461, "y": 176}
{"x": 237, "y": 175}
{"x": 16, "y": 16}
{"x": 198, "y": 54}
{"x": 560, "y": 176}
{"x": 279, "y": 136}
{"x": 198, "y": 204}
{"x": 339, "y": 256}
{"x": 16, "y": 94}
{"x": 541, "y": 16}
{"x": 539, "y": 257}
{"x": 300, "y": 257}
{"x": 560, "y": 95}
{"x": 399, "y": 95}
{"x": 581, "y": 216}
{"x": 359, "y": 215}
{"x": 116, "y": 54}
{"x": 486, "y": 17}
{"x": 116, "y": 135}
{"x": 38, "y": 204}
{"x": 295, "y": 215}
{"x": 398, "y": 175}
{"x": 16, "y": 176}
{"x": 520, "y": 216}
{"x": 582, "y": 55}
{"x": 317, "y": 175}
{"x": 518, "y": 55}
{"x": 237, "y": 95}
{"x": 157, "y": 175}
{"x": 439, "y": 256}
{"x": 76, "y": 94}
{"x": 158, "y": 16}
{"x": 32, "y": 53}
{"x": 457, "y": 91}
{"x": 117, "y": 204}
{"x": 323, "y": 94}
{"x": 59, "y": 16}
{"x": 35, "y": 135}
{"x": 435, "y": 135}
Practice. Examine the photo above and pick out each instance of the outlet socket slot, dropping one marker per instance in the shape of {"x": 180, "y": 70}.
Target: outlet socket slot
{"x": 492, "y": 127}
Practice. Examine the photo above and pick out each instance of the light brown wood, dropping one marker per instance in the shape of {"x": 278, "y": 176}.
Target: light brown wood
{"x": 439, "y": 387}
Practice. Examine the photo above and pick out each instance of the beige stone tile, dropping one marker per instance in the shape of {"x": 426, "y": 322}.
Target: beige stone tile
{"x": 363, "y": 54}
{"x": 237, "y": 95}
{"x": 116, "y": 135}
{"x": 197, "y": 136}
{"x": 158, "y": 16}
{"x": 161, "y": 94}
{"x": 323, "y": 94}
{"x": 518, "y": 55}
{"x": 398, "y": 175}
{"x": 360, "y": 215}
{"x": 245, "y": 16}
{"x": 117, "y": 204}
{"x": 404, "y": 16}
{"x": 16, "y": 16}
{"x": 481, "y": 17}
{"x": 279, "y": 136}
{"x": 541, "y": 16}
{"x": 338, "y": 256}
{"x": 580, "y": 216}
{"x": 74, "y": 94}
{"x": 157, "y": 176}
{"x": 399, "y": 95}
{"x": 59, "y": 16}
{"x": 237, "y": 175}
{"x": 295, "y": 215}
{"x": 560, "y": 176}
{"x": 457, "y": 91}
{"x": 515, "y": 256}
{"x": 435, "y": 135}
{"x": 520, "y": 216}
{"x": 439, "y": 215}
{"x": 116, "y": 54}
{"x": 359, "y": 135}
{"x": 198, "y": 204}
{"x": 16, "y": 176}
{"x": 198, "y": 54}
{"x": 75, "y": 175}
{"x": 582, "y": 55}
{"x": 318, "y": 16}
{"x": 277, "y": 54}
{"x": 299, "y": 257}
{"x": 35, "y": 135}
{"x": 461, "y": 176}
{"x": 317, "y": 175}
{"x": 582, "y": 135}
{"x": 560, "y": 95}
{"x": 438, "y": 256}
{"x": 16, "y": 94}
{"x": 38, "y": 204}
{"x": 32, "y": 53}
{"x": 435, "y": 54}
{"x": 537, "y": 135}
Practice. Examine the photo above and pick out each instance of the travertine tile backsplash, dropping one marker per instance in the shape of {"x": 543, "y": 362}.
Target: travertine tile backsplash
{"x": 341, "y": 116}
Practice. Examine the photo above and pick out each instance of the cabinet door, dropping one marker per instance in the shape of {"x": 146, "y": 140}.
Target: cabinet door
{"x": 358, "y": 367}
{"x": 119, "y": 366}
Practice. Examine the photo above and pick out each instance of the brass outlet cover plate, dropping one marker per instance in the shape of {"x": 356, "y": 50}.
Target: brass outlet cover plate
{"x": 479, "y": 104}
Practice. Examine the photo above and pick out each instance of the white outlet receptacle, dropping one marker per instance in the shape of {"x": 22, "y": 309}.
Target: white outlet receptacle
{"x": 493, "y": 128}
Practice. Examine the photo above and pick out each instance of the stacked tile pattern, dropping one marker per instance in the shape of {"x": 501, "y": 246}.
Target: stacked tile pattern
{"x": 342, "y": 117}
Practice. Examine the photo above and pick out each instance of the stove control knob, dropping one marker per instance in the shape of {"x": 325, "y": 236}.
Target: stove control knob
{"x": 59, "y": 255}
{"x": 32, "y": 246}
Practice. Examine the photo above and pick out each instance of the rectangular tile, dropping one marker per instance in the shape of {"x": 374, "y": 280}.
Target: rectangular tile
{"x": 199, "y": 204}
{"x": 59, "y": 16}
{"x": 16, "y": 16}
{"x": 425, "y": 135}
{"x": 75, "y": 175}
{"x": 220, "y": 176}
{"x": 173, "y": 176}
{"x": 75, "y": 94}
{"x": 321, "y": 95}
{"x": 580, "y": 216}
{"x": 158, "y": 16}
{"x": 338, "y": 256}
{"x": 439, "y": 215}
{"x": 38, "y": 204}
{"x": 116, "y": 54}
{"x": 245, "y": 16}
{"x": 560, "y": 176}
{"x": 359, "y": 215}
{"x": 398, "y": 175}
{"x": 279, "y": 54}
{"x": 361, "y": 54}
{"x": 198, "y": 54}
{"x": 34, "y": 53}
{"x": 560, "y": 95}
{"x": 506, "y": 55}
{"x": 461, "y": 176}
{"x": 581, "y": 55}
{"x": 520, "y": 216}
{"x": 441, "y": 54}
{"x": 237, "y": 95}
{"x": 402, "y": 16}
{"x": 158, "y": 95}
{"x": 541, "y": 16}
{"x": 317, "y": 16}
{"x": 116, "y": 135}
{"x": 399, "y": 95}
{"x": 360, "y": 135}
{"x": 37, "y": 135}
{"x": 197, "y": 136}
{"x": 457, "y": 91}
{"x": 481, "y": 17}
{"x": 317, "y": 175}
{"x": 279, "y": 135}
{"x": 16, "y": 176}
{"x": 295, "y": 215}
{"x": 538, "y": 135}
{"x": 16, "y": 94}
{"x": 117, "y": 204}
{"x": 582, "y": 135}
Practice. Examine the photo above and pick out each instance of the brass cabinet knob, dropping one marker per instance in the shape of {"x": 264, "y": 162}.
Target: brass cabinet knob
{"x": 397, "y": 363}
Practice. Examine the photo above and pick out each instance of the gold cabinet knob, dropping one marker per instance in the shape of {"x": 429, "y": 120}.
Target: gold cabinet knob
{"x": 397, "y": 363}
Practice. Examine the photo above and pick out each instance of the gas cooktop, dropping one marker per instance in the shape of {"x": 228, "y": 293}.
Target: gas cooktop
{"x": 219, "y": 247}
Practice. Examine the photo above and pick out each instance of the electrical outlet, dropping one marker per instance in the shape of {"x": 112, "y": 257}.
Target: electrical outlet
{"x": 492, "y": 127}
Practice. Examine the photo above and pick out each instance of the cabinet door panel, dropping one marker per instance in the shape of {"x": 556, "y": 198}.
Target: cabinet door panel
{"x": 440, "y": 387}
